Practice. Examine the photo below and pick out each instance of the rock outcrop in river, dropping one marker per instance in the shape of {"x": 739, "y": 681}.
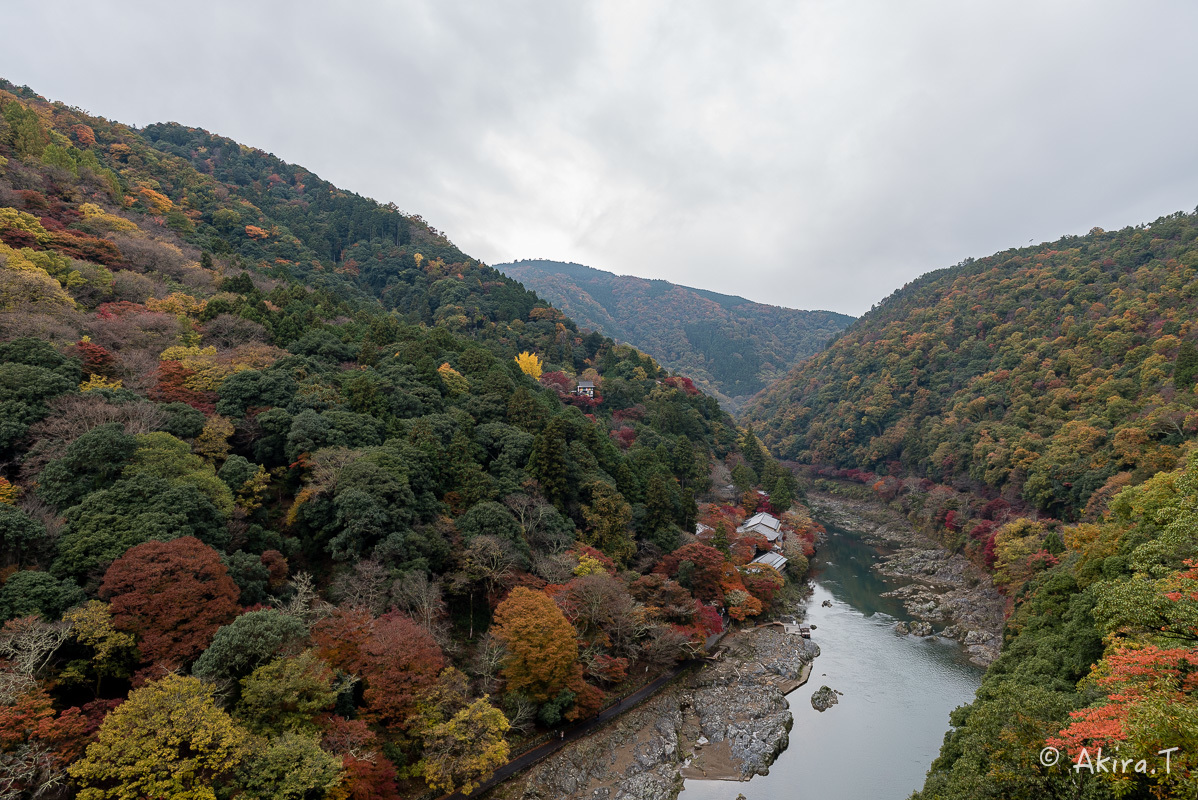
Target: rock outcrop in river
{"x": 824, "y": 698}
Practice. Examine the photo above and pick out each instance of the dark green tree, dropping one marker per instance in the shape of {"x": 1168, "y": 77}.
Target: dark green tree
{"x": 743, "y": 477}
{"x": 251, "y": 576}
{"x": 754, "y": 454}
{"x": 719, "y": 539}
{"x": 490, "y": 518}
{"x": 660, "y": 509}
{"x": 548, "y": 463}
{"x": 93, "y": 461}
{"x": 183, "y": 421}
{"x": 29, "y": 592}
{"x": 132, "y": 511}
{"x": 248, "y": 642}
{"x": 607, "y": 518}
{"x": 1185, "y": 370}
{"x": 781, "y": 498}
{"x": 19, "y": 534}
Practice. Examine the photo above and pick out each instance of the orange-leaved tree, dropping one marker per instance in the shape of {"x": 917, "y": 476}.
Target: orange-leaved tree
{"x": 540, "y": 642}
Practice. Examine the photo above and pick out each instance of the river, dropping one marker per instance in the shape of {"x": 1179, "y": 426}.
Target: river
{"x": 882, "y": 736}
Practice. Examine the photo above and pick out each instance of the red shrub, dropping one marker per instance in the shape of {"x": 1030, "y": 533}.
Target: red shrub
{"x": 624, "y": 437}
{"x": 118, "y": 308}
{"x": 97, "y": 360}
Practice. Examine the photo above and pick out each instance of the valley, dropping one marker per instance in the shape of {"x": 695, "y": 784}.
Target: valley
{"x": 378, "y": 516}
{"x": 731, "y": 347}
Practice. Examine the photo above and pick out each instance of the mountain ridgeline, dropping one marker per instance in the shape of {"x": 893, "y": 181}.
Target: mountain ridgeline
{"x": 1049, "y": 375}
{"x": 729, "y": 346}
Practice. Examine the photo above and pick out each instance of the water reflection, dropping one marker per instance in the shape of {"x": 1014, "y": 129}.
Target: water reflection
{"x": 898, "y": 691}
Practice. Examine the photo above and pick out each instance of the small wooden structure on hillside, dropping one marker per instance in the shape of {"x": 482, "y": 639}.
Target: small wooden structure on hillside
{"x": 775, "y": 560}
{"x": 765, "y": 524}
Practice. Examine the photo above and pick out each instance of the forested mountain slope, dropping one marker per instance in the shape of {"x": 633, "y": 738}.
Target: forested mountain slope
{"x": 1049, "y": 375}
{"x": 295, "y": 497}
{"x": 1036, "y": 411}
{"x": 730, "y": 346}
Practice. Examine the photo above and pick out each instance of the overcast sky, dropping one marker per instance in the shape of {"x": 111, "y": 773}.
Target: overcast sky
{"x": 807, "y": 154}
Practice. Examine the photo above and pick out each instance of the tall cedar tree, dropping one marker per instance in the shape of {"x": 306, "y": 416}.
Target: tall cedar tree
{"x": 751, "y": 448}
{"x": 548, "y": 462}
{"x": 607, "y": 518}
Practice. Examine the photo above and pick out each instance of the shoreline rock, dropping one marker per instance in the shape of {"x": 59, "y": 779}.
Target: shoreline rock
{"x": 738, "y": 701}
{"x": 728, "y": 720}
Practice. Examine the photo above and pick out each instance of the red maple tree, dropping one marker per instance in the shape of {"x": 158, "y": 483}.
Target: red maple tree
{"x": 173, "y": 596}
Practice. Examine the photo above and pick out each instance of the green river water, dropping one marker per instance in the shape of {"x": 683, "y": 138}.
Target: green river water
{"x": 878, "y": 741}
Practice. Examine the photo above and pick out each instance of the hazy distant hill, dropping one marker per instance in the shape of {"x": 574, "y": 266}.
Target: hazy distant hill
{"x": 731, "y": 346}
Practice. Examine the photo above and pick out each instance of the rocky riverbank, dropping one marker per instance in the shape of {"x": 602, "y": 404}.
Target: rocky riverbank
{"x": 948, "y": 595}
{"x": 738, "y": 709}
{"x": 728, "y": 720}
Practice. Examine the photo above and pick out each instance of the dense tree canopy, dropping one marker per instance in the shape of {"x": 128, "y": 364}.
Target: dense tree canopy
{"x": 173, "y": 596}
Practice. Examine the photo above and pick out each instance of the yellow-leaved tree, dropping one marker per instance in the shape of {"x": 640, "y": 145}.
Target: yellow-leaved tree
{"x": 454, "y": 381}
{"x": 26, "y": 287}
{"x": 92, "y": 626}
{"x": 100, "y": 382}
{"x": 169, "y": 739}
{"x": 530, "y": 365}
{"x": 466, "y": 748}
{"x": 462, "y": 740}
{"x": 213, "y": 441}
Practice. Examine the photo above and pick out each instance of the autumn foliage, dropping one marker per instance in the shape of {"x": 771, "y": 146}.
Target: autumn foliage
{"x": 173, "y": 596}
{"x": 530, "y": 364}
{"x": 395, "y": 657}
{"x": 172, "y": 388}
{"x": 335, "y": 404}
{"x": 542, "y": 650}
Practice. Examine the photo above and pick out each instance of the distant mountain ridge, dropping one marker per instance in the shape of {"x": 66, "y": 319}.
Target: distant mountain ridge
{"x": 731, "y": 346}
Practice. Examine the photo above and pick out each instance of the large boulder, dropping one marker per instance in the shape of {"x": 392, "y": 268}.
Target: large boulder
{"x": 824, "y": 698}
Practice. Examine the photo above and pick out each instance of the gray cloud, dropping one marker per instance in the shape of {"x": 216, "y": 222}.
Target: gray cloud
{"x": 816, "y": 155}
